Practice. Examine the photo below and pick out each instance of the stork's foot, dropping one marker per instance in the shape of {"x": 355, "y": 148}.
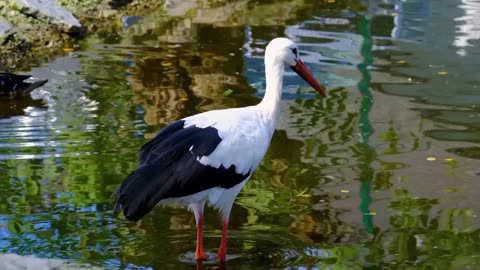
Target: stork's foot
{"x": 201, "y": 256}
{"x": 222, "y": 255}
{"x": 210, "y": 258}
{"x": 192, "y": 257}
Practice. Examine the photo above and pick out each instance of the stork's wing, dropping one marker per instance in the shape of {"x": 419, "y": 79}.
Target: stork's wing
{"x": 170, "y": 166}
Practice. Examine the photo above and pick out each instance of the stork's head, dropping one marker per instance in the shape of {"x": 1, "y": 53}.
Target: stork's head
{"x": 286, "y": 51}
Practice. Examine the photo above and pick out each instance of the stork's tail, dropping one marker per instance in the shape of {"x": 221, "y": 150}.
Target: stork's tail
{"x": 140, "y": 192}
{"x": 128, "y": 197}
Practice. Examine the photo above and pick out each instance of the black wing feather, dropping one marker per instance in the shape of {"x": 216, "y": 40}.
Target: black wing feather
{"x": 164, "y": 133}
{"x": 169, "y": 168}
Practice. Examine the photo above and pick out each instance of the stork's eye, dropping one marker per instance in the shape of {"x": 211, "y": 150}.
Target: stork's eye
{"x": 294, "y": 50}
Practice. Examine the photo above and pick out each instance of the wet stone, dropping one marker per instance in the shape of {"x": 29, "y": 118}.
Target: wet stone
{"x": 5, "y": 29}
{"x": 127, "y": 21}
{"x": 51, "y": 12}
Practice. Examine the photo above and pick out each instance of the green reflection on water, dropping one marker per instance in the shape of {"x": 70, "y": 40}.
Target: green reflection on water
{"x": 366, "y": 130}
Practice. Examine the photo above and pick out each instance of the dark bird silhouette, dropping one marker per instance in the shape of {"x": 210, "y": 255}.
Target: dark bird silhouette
{"x": 13, "y": 85}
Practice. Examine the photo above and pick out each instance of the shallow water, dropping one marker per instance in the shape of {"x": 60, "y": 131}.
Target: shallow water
{"x": 381, "y": 174}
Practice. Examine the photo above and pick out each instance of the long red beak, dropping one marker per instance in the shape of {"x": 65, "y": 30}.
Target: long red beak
{"x": 305, "y": 73}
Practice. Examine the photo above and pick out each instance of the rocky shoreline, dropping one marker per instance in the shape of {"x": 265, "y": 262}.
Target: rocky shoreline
{"x": 35, "y": 31}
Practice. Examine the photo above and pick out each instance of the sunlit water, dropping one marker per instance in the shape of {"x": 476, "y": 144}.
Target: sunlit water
{"x": 381, "y": 174}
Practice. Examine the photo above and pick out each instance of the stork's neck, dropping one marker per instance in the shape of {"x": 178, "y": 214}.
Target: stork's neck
{"x": 270, "y": 104}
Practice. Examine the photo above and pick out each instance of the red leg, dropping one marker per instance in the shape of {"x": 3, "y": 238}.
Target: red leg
{"x": 222, "y": 252}
{"x": 200, "y": 253}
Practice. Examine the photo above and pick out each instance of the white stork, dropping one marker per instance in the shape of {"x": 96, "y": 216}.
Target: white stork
{"x": 211, "y": 155}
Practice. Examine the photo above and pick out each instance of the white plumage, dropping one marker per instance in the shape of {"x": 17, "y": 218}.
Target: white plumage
{"x": 244, "y": 139}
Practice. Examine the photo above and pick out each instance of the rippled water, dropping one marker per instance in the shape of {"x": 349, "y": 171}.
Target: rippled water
{"x": 381, "y": 174}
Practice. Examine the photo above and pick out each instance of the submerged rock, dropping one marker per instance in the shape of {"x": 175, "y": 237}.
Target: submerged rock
{"x": 53, "y": 13}
{"x": 127, "y": 21}
{"x": 17, "y": 262}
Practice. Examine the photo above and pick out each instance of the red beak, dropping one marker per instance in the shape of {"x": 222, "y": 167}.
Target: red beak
{"x": 305, "y": 73}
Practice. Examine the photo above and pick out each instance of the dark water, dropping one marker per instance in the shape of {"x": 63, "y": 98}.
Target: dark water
{"x": 383, "y": 174}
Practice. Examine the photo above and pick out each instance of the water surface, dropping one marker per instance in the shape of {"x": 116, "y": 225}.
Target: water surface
{"x": 382, "y": 174}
